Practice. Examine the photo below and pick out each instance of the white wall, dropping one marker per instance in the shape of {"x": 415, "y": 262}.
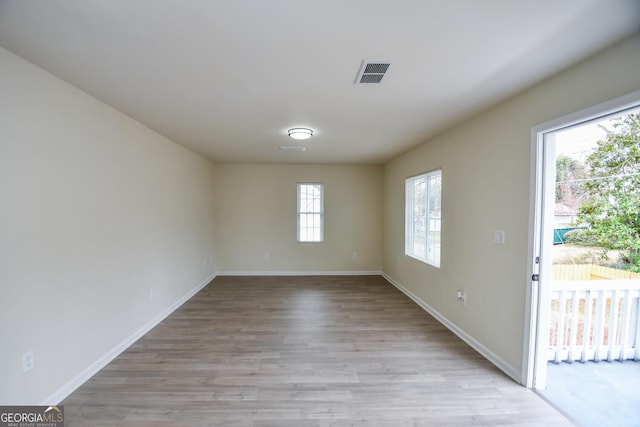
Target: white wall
{"x": 256, "y": 214}
{"x": 96, "y": 210}
{"x": 486, "y": 175}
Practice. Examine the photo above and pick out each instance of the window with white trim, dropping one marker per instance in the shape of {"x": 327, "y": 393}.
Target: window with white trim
{"x": 310, "y": 212}
{"x": 423, "y": 211}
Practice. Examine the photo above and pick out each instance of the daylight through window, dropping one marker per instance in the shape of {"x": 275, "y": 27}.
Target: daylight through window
{"x": 423, "y": 217}
{"x": 310, "y": 212}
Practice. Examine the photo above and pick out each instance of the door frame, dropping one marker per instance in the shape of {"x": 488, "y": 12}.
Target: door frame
{"x": 534, "y": 312}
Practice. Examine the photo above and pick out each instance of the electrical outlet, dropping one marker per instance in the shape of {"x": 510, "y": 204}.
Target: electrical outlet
{"x": 27, "y": 361}
{"x": 462, "y": 297}
{"x": 354, "y": 255}
{"x": 498, "y": 237}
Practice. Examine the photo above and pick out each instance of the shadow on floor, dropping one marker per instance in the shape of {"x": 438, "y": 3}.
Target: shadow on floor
{"x": 596, "y": 394}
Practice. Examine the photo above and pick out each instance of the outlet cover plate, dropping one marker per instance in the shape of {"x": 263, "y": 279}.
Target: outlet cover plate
{"x": 27, "y": 361}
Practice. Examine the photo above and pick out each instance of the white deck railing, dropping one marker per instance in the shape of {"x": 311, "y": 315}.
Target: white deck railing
{"x": 594, "y": 320}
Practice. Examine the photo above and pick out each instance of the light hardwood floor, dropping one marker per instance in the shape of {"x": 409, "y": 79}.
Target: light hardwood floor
{"x": 303, "y": 351}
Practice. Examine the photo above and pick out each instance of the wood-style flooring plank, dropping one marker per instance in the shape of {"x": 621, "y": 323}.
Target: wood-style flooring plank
{"x": 303, "y": 351}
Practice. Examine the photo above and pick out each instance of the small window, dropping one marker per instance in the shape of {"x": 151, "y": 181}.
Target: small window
{"x": 423, "y": 217}
{"x": 310, "y": 212}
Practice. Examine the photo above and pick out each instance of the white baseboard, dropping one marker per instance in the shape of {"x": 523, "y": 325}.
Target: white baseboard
{"x": 103, "y": 361}
{"x": 299, "y": 273}
{"x": 507, "y": 368}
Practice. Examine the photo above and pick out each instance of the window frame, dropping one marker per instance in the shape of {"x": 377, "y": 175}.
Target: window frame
{"x": 433, "y": 243}
{"x": 300, "y": 232}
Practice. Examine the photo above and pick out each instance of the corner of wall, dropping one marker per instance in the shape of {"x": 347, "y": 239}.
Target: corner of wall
{"x": 500, "y": 363}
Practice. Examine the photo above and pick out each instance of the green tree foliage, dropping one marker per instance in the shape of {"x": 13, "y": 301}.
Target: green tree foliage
{"x": 612, "y": 208}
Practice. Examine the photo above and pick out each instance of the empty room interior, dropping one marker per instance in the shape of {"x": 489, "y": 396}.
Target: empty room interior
{"x": 158, "y": 215}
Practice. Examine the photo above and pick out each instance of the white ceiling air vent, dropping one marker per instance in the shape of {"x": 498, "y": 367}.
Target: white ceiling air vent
{"x": 372, "y": 71}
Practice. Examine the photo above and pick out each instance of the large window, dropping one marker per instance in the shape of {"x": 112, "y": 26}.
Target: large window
{"x": 423, "y": 217}
{"x": 310, "y": 212}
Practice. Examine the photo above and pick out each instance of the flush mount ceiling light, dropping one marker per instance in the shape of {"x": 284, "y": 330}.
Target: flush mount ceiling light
{"x": 300, "y": 133}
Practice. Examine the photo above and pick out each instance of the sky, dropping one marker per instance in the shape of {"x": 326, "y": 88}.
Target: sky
{"x": 579, "y": 141}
